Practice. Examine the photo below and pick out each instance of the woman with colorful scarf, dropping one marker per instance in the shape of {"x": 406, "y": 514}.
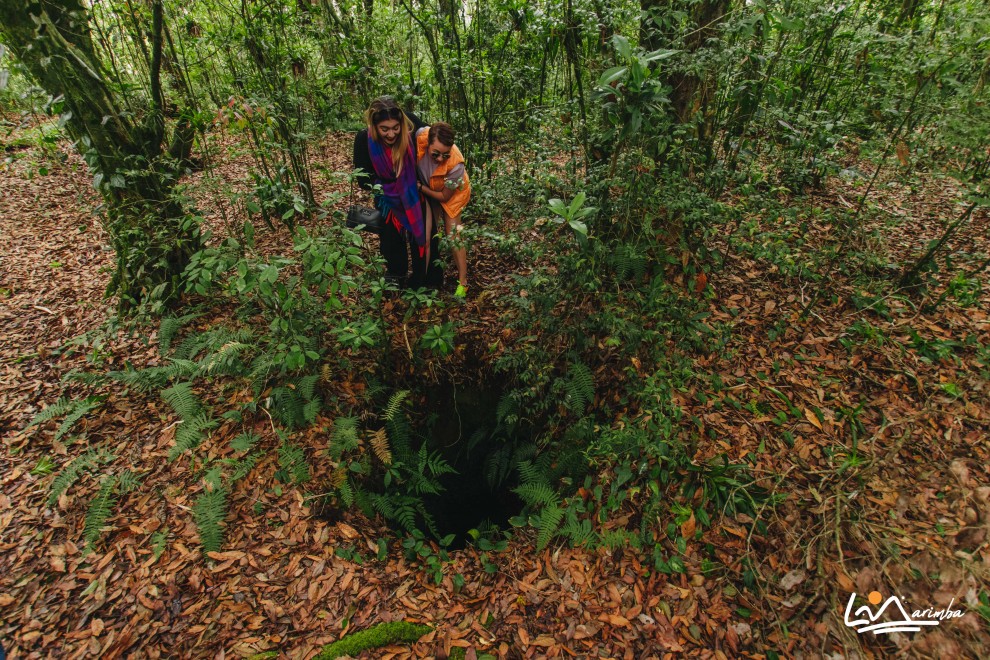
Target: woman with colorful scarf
{"x": 385, "y": 153}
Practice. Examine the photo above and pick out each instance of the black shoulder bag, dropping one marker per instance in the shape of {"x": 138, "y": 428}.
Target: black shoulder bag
{"x": 365, "y": 218}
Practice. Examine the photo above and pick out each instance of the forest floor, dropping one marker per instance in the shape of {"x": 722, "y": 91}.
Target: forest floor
{"x": 903, "y": 509}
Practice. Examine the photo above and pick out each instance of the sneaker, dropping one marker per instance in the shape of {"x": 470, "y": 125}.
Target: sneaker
{"x": 461, "y": 292}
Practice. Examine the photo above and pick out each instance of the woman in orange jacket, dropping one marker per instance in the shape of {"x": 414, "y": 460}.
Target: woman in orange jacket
{"x": 444, "y": 184}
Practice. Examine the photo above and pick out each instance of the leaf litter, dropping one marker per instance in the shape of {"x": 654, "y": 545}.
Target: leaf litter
{"x": 904, "y": 510}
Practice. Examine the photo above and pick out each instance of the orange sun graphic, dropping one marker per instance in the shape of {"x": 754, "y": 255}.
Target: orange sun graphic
{"x": 875, "y": 597}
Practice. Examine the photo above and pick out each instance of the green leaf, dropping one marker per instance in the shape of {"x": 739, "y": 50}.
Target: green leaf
{"x": 622, "y": 46}
{"x": 611, "y": 75}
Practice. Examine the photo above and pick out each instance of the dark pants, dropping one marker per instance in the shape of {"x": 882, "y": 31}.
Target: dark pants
{"x": 397, "y": 247}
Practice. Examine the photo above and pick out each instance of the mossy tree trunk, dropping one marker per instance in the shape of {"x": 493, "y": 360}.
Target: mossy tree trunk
{"x": 151, "y": 236}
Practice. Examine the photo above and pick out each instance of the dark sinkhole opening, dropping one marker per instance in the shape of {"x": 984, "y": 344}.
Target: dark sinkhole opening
{"x": 472, "y": 427}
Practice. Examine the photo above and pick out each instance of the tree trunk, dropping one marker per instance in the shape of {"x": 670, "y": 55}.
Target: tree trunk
{"x": 151, "y": 238}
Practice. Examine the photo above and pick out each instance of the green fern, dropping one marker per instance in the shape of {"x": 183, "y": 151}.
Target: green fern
{"x": 159, "y": 542}
{"x": 182, "y": 400}
{"x": 245, "y": 441}
{"x": 537, "y": 494}
{"x": 129, "y": 481}
{"x": 287, "y": 407}
{"x": 262, "y": 368}
{"x": 243, "y": 466}
{"x": 100, "y": 508}
{"x": 225, "y": 356}
{"x": 550, "y": 518}
{"x": 293, "y": 464}
{"x": 507, "y": 411}
{"x": 209, "y": 512}
{"x": 343, "y": 438}
{"x": 169, "y": 328}
{"x": 306, "y": 386}
{"x": 346, "y": 491}
{"x": 80, "y": 410}
{"x": 57, "y": 409}
{"x": 70, "y": 474}
{"x": 191, "y": 433}
{"x": 73, "y": 411}
{"x": 579, "y": 388}
{"x": 579, "y": 532}
{"x": 311, "y": 410}
{"x": 155, "y": 378}
{"x": 395, "y": 405}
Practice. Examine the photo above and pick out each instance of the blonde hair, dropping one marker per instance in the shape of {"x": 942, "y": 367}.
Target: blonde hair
{"x": 386, "y": 104}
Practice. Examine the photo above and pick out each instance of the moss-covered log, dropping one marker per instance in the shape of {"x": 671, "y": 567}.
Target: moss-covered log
{"x": 383, "y": 634}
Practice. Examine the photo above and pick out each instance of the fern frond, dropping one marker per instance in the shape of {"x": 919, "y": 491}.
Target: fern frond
{"x": 579, "y": 388}
{"x": 580, "y": 532}
{"x": 498, "y": 464}
{"x": 159, "y": 542}
{"x": 306, "y": 386}
{"x": 287, "y": 407}
{"x": 311, "y": 410}
{"x": 346, "y": 492}
{"x": 74, "y": 469}
{"x": 129, "y": 481}
{"x": 243, "y": 467}
{"x": 100, "y": 509}
{"x": 245, "y": 441}
{"x": 262, "y": 369}
{"x": 530, "y": 473}
{"x": 57, "y": 409}
{"x": 382, "y": 505}
{"x": 182, "y": 400}
{"x": 379, "y": 443}
{"x": 550, "y": 518}
{"x": 169, "y": 329}
{"x": 191, "y": 433}
{"x": 227, "y": 353}
{"x": 84, "y": 377}
{"x": 209, "y": 512}
{"x": 344, "y": 437}
{"x": 400, "y": 433}
{"x": 80, "y": 410}
{"x": 338, "y": 477}
{"x": 326, "y": 373}
{"x": 292, "y": 460}
{"x": 395, "y": 405}
{"x": 537, "y": 494}
{"x": 507, "y": 411}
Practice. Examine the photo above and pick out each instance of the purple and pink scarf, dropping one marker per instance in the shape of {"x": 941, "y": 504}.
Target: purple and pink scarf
{"x": 401, "y": 198}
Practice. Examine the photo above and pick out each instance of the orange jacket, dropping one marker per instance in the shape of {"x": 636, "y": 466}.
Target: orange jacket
{"x": 462, "y": 195}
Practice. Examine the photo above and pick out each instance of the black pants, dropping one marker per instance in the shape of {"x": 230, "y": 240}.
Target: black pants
{"x": 397, "y": 248}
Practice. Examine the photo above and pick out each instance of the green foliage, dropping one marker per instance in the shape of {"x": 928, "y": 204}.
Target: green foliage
{"x": 382, "y": 634}
{"x": 293, "y": 466}
{"x": 209, "y": 512}
{"x": 579, "y": 387}
{"x": 100, "y": 508}
{"x": 73, "y": 411}
{"x": 439, "y": 339}
{"x": 183, "y": 401}
{"x": 394, "y": 405}
{"x": 169, "y": 329}
{"x": 73, "y": 470}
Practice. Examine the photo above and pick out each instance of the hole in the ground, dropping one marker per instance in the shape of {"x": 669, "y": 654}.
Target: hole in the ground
{"x": 464, "y": 427}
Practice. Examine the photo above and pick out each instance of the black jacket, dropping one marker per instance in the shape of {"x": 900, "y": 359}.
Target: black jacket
{"x": 362, "y": 159}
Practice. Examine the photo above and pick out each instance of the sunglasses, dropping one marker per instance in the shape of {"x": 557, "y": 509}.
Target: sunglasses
{"x": 389, "y": 113}
{"x": 439, "y": 156}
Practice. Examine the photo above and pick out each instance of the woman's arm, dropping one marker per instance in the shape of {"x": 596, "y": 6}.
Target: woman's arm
{"x": 362, "y": 161}
{"x": 442, "y": 196}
